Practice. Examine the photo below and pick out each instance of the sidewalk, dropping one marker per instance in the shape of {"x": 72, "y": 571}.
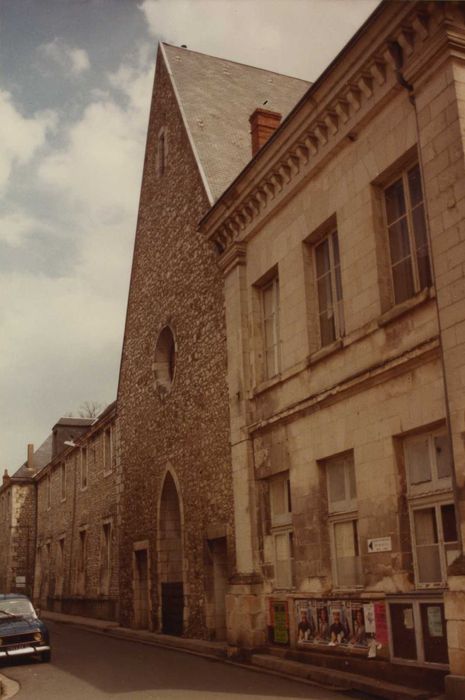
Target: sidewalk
{"x": 261, "y": 662}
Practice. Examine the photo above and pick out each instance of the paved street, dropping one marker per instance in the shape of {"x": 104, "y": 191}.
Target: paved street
{"x": 93, "y": 666}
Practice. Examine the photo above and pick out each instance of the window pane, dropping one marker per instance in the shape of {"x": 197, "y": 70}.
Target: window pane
{"x": 327, "y": 330}
{"x": 443, "y": 456}
{"x": 268, "y": 301}
{"x": 403, "y": 281}
{"x": 434, "y": 632}
{"x": 322, "y": 258}
{"x": 414, "y": 183}
{"x": 424, "y": 268}
{"x": 344, "y": 538}
{"x": 337, "y": 273}
{"x": 399, "y": 244}
{"x": 419, "y": 226}
{"x": 278, "y": 500}
{"x": 350, "y": 470}
{"x": 348, "y": 562}
{"x": 429, "y": 564}
{"x": 449, "y": 525}
{"x": 325, "y": 296}
{"x": 395, "y": 201}
{"x": 336, "y": 483}
{"x": 426, "y": 531}
{"x": 418, "y": 461}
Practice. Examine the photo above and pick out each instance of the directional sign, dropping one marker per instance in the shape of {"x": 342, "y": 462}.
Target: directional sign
{"x": 380, "y": 544}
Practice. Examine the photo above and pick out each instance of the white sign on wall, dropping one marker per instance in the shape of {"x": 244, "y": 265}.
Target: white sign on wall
{"x": 380, "y": 544}
{"x": 20, "y": 582}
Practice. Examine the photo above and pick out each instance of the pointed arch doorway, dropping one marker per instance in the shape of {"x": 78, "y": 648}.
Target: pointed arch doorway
{"x": 170, "y": 559}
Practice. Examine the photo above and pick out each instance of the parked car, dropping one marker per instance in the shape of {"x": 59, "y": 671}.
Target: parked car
{"x": 21, "y": 631}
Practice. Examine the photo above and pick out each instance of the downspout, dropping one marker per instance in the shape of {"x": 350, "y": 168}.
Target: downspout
{"x": 397, "y": 55}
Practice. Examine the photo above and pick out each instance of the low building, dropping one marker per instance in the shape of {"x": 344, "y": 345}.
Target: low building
{"x": 76, "y": 569}
{"x": 343, "y": 253}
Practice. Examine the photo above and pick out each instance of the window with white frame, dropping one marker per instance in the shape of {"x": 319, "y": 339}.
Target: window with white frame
{"x": 84, "y": 459}
{"x": 107, "y": 450}
{"x": 432, "y": 511}
{"x": 329, "y": 289}
{"x": 408, "y": 241}
{"x": 281, "y": 529}
{"x": 343, "y": 520}
{"x": 270, "y": 324}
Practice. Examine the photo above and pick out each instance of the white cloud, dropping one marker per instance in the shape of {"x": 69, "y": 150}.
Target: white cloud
{"x": 17, "y": 226}
{"x": 21, "y": 136}
{"x": 73, "y": 61}
{"x": 317, "y": 29}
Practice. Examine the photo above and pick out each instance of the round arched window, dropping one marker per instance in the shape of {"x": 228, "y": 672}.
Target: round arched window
{"x": 165, "y": 360}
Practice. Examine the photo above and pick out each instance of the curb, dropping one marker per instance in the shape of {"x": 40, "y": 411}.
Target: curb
{"x": 259, "y": 663}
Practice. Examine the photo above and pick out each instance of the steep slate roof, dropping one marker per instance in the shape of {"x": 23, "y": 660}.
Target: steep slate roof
{"x": 42, "y": 456}
{"x": 217, "y": 98}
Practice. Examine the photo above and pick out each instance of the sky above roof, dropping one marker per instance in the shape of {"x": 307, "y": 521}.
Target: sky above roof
{"x": 75, "y": 86}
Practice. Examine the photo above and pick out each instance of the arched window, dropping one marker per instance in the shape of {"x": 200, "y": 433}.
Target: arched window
{"x": 165, "y": 360}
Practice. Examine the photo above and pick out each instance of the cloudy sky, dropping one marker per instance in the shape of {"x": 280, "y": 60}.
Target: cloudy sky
{"x": 75, "y": 85}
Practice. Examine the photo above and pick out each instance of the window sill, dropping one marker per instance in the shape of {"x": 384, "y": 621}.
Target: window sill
{"x": 325, "y": 351}
{"x": 406, "y": 306}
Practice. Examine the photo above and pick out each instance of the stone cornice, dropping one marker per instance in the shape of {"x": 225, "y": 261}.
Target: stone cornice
{"x": 327, "y": 118}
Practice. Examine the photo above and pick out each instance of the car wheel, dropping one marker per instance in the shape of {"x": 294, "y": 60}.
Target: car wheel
{"x": 46, "y": 656}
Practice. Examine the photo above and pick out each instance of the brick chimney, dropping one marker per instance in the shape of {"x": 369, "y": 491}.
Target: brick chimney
{"x": 263, "y": 123}
{"x": 30, "y": 457}
{"x": 6, "y": 478}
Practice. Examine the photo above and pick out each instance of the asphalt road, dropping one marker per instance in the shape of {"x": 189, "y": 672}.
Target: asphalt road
{"x": 92, "y": 666}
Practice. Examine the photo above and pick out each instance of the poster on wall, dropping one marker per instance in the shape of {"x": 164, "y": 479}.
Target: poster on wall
{"x": 279, "y": 622}
{"x": 349, "y": 623}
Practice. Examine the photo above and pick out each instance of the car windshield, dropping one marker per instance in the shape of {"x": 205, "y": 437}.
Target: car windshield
{"x": 16, "y": 606}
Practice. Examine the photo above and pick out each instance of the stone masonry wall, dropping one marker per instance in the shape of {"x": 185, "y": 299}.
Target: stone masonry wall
{"x": 67, "y": 580}
{"x": 175, "y": 281}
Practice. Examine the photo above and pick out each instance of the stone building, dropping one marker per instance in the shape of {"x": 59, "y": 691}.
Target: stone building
{"x": 342, "y": 245}
{"x": 18, "y": 521}
{"x": 76, "y": 564}
{"x": 177, "y": 514}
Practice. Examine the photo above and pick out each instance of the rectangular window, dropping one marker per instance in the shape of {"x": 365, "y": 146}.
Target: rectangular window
{"x": 408, "y": 242}
{"x": 435, "y": 542}
{"x": 63, "y": 480}
{"x": 329, "y": 286}
{"x": 281, "y": 529}
{"x": 434, "y": 533}
{"x": 105, "y": 559}
{"x": 60, "y": 566}
{"x": 284, "y": 559}
{"x": 340, "y": 479}
{"x": 108, "y": 450}
{"x": 270, "y": 321}
{"x": 428, "y": 461}
{"x": 84, "y": 467}
{"x": 48, "y": 486}
{"x": 82, "y": 562}
{"x": 342, "y": 501}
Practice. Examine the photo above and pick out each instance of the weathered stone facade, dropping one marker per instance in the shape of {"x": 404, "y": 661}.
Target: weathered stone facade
{"x": 345, "y": 378}
{"x": 17, "y": 535}
{"x": 179, "y": 435}
{"x": 76, "y": 564}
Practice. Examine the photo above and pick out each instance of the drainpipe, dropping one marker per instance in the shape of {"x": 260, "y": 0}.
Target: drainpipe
{"x": 396, "y": 52}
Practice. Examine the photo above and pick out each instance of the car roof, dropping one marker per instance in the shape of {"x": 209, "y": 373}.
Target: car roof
{"x": 9, "y": 596}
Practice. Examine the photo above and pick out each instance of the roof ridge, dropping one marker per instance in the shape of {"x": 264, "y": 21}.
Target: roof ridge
{"x": 236, "y": 63}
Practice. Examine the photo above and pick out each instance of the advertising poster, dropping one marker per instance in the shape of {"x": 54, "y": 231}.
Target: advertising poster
{"x": 349, "y": 623}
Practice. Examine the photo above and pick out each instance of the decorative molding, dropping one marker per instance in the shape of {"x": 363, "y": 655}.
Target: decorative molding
{"x": 327, "y": 125}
